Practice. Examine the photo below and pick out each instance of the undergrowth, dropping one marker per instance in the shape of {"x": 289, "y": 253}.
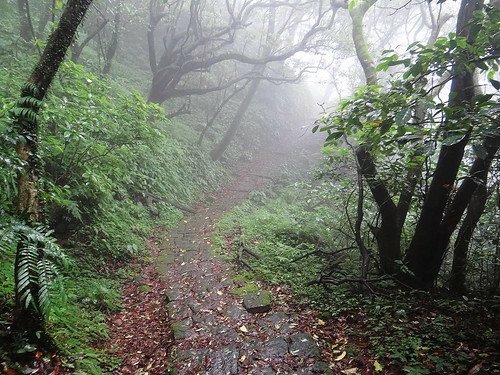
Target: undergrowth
{"x": 110, "y": 173}
{"x": 406, "y": 332}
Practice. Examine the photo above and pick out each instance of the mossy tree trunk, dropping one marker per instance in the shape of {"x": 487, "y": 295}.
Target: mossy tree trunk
{"x": 34, "y": 91}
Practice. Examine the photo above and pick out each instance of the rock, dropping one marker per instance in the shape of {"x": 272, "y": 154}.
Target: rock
{"x": 303, "y": 344}
{"x": 258, "y": 302}
{"x": 276, "y": 347}
{"x": 172, "y": 295}
{"x": 193, "y": 356}
{"x": 195, "y": 307}
{"x": 322, "y": 368}
{"x": 262, "y": 371}
{"x": 236, "y": 313}
{"x": 182, "y": 329}
{"x": 224, "y": 361}
{"x": 277, "y": 318}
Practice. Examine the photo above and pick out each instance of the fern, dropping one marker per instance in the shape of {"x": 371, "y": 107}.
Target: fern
{"x": 38, "y": 261}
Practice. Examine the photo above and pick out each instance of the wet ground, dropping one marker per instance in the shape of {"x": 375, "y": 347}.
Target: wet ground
{"x": 214, "y": 333}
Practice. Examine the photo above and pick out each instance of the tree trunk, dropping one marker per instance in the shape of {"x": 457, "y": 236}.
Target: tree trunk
{"x": 219, "y": 150}
{"x": 25, "y": 120}
{"x": 461, "y": 248}
{"x": 113, "y": 46}
{"x": 358, "y": 36}
{"x": 77, "y": 49}
{"x": 388, "y": 235}
{"x": 423, "y": 257}
{"x": 24, "y": 22}
{"x": 44, "y": 19}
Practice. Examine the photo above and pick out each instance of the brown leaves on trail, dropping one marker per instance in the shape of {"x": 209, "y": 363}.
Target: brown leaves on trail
{"x": 140, "y": 332}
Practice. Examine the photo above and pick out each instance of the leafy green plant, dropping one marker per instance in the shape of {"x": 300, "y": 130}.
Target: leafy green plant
{"x": 38, "y": 257}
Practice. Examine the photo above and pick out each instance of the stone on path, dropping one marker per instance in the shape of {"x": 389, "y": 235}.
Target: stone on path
{"x": 258, "y": 302}
{"x": 182, "y": 329}
{"x": 302, "y": 345}
{"x": 224, "y": 361}
{"x": 276, "y": 347}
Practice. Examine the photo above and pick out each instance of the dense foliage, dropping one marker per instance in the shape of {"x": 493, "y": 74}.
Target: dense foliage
{"x": 110, "y": 169}
{"x": 303, "y": 238}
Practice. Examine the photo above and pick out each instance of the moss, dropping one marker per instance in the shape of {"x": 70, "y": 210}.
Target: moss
{"x": 246, "y": 289}
{"x": 144, "y": 288}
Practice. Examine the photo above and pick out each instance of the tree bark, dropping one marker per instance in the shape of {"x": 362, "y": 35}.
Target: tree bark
{"x": 424, "y": 257}
{"x": 77, "y": 49}
{"x": 38, "y": 83}
{"x": 221, "y": 147}
{"x": 358, "y": 36}
{"x": 388, "y": 235}
{"x": 462, "y": 243}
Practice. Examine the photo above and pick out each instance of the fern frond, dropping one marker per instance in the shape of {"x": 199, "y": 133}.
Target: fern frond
{"x": 37, "y": 257}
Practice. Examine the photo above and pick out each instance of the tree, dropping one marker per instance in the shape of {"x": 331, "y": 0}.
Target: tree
{"x": 25, "y": 27}
{"x": 402, "y": 125}
{"x": 29, "y": 293}
{"x": 259, "y": 69}
{"x": 193, "y": 43}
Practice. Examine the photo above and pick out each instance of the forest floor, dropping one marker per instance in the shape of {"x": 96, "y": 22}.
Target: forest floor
{"x": 184, "y": 314}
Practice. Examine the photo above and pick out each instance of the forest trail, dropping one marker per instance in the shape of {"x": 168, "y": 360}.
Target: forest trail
{"x": 213, "y": 332}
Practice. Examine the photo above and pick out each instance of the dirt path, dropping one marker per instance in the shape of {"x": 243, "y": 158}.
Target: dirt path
{"x": 213, "y": 332}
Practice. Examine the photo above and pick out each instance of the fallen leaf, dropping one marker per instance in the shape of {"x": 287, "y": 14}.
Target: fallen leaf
{"x": 242, "y": 358}
{"x": 321, "y": 322}
{"x": 377, "y": 366}
{"x": 341, "y": 356}
{"x": 244, "y": 329}
{"x": 353, "y": 370}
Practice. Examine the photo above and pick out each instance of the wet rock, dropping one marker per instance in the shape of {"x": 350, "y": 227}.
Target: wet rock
{"x": 194, "y": 357}
{"x": 276, "y": 347}
{"x": 236, "y": 313}
{"x": 204, "y": 320}
{"x": 322, "y": 368}
{"x": 258, "y": 302}
{"x": 305, "y": 371}
{"x": 224, "y": 361}
{"x": 303, "y": 344}
{"x": 182, "y": 329}
{"x": 172, "y": 295}
{"x": 195, "y": 307}
{"x": 277, "y": 318}
{"x": 262, "y": 371}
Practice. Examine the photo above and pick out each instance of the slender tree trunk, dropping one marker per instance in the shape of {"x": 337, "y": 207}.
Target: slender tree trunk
{"x": 24, "y": 24}
{"x": 44, "y": 18}
{"x": 358, "y": 36}
{"x": 221, "y": 147}
{"x": 462, "y": 243}
{"x": 113, "y": 46}
{"x": 388, "y": 235}
{"x": 28, "y": 205}
{"x": 77, "y": 49}
{"x": 219, "y": 150}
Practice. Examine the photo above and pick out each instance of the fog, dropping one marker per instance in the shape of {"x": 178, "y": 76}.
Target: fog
{"x": 251, "y": 70}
